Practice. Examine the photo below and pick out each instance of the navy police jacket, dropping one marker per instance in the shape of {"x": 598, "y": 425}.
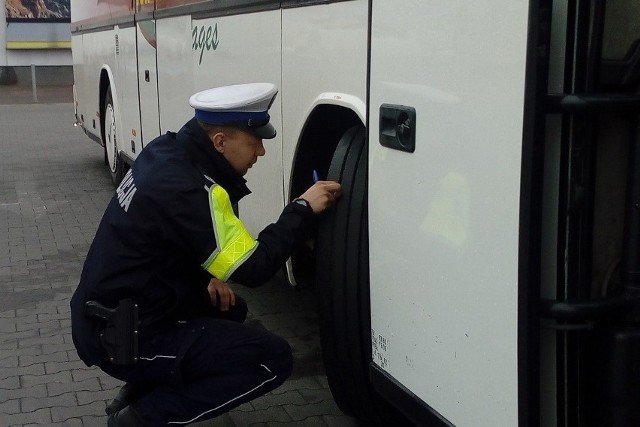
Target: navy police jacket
{"x": 167, "y": 230}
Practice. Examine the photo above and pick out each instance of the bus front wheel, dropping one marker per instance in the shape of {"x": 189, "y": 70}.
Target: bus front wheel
{"x": 110, "y": 132}
{"x": 343, "y": 286}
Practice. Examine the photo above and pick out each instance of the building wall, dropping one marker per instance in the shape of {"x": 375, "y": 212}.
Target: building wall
{"x": 53, "y": 65}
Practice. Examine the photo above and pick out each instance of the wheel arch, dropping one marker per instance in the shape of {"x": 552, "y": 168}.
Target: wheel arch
{"x": 106, "y": 81}
{"x": 329, "y": 117}
{"x": 120, "y": 165}
{"x": 327, "y": 121}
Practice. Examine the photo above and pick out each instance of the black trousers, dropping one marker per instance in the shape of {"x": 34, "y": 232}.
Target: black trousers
{"x": 203, "y": 367}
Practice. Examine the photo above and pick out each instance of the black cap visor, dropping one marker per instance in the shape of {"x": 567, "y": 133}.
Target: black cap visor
{"x": 265, "y": 131}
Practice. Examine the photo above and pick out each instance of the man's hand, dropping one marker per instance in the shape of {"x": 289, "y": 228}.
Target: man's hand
{"x": 322, "y": 194}
{"x": 221, "y": 294}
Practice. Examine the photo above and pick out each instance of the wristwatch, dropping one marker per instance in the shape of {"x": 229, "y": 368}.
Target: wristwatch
{"x": 302, "y": 202}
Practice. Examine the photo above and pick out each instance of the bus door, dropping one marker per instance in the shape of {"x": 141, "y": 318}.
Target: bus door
{"x": 147, "y": 72}
{"x": 446, "y": 108}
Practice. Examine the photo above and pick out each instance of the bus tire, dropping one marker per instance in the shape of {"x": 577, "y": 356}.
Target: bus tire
{"x": 110, "y": 131}
{"x": 343, "y": 287}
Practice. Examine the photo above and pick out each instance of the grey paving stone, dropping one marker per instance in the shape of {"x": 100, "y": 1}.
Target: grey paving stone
{"x": 30, "y": 404}
{"x": 10, "y": 406}
{"x": 31, "y": 370}
{"x": 73, "y": 355}
{"x": 109, "y": 383}
{"x": 9, "y": 362}
{"x": 42, "y": 308}
{"x": 27, "y": 360}
{"x": 31, "y": 380}
{"x": 278, "y": 399}
{"x": 7, "y": 325}
{"x": 88, "y": 385}
{"x": 54, "y": 348}
{"x": 274, "y": 413}
{"x": 53, "y": 367}
{"x": 316, "y": 395}
{"x": 26, "y": 320}
{"x": 62, "y": 413}
{"x": 7, "y": 313}
{"x": 300, "y": 384}
{"x": 89, "y": 421}
{"x": 89, "y": 396}
{"x": 9, "y": 383}
{"x": 41, "y": 416}
{"x": 301, "y": 412}
{"x": 84, "y": 373}
{"x": 13, "y": 346}
{"x": 73, "y": 422}
{"x": 18, "y": 336}
{"x": 45, "y": 317}
{"x": 37, "y": 391}
{"x": 39, "y": 340}
{"x": 48, "y": 325}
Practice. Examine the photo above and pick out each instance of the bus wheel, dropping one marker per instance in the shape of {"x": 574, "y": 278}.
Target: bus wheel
{"x": 110, "y": 127}
{"x": 343, "y": 285}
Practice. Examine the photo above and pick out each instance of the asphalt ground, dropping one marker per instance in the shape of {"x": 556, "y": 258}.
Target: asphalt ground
{"x": 54, "y": 188}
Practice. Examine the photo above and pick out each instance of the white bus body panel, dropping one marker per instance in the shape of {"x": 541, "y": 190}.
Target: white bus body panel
{"x": 444, "y": 220}
{"x": 126, "y": 95}
{"x": 100, "y": 56}
{"x": 324, "y": 61}
{"x": 92, "y": 52}
{"x": 175, "y": 72}
{"x": 79, "y": 79}
{"x": 242, "y": 56}
{"x": 149, "y": 121}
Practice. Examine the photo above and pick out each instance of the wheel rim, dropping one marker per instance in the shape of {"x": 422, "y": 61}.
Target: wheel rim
{"x": 111, "y": 144}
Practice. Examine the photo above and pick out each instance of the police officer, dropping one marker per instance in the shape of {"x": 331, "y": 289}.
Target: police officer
{"x": 152, "y": 307}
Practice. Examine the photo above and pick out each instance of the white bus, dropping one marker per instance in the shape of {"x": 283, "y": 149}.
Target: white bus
{"x": 483, "y": 265}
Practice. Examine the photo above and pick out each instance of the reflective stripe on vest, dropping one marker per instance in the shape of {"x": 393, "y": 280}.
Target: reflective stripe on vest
{"x": 234, "y": 242}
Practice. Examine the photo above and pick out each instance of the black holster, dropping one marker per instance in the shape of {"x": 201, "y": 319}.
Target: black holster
{"x": 119, "y": 337}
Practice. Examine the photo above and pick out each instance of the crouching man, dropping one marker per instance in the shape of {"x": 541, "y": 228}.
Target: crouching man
{"x": 152, "y": 307}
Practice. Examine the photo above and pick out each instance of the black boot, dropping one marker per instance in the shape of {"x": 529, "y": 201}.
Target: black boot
{"x": 126, "y": 395}
{"x": 126, "y": 417}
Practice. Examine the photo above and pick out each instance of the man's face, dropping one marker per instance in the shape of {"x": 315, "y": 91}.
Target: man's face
{"x": 241, "y": 149}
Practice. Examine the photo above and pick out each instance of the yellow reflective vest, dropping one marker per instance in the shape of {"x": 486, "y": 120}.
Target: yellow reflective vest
{"x": 234, "y": 243}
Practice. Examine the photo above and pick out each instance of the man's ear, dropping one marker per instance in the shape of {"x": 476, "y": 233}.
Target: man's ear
{"x": 218, "y": 140}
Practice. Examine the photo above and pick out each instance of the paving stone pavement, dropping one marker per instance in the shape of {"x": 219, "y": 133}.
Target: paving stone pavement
{"x": 53, "y": 189}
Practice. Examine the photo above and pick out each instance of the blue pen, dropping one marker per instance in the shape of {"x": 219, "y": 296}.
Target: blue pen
{"x": 315, "y": 176}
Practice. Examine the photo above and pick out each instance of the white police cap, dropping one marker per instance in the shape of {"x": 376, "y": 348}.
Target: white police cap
{"x": 245, "y": 106}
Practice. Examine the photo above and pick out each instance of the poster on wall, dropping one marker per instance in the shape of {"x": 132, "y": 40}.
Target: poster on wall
{"x": 38, "y": 10}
